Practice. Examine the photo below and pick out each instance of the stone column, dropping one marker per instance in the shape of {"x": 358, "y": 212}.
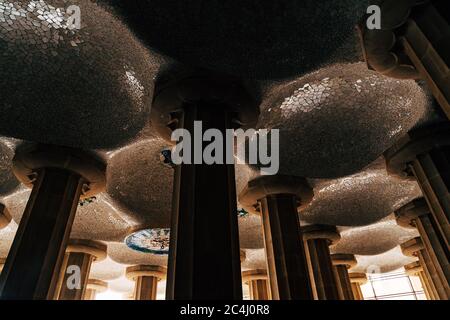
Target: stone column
{"x": 146, "y": 279}
{"x": 59, "y": 177}
{"x": 415, "y": 269}
{"x": 5, "y": 217}
{"x": 93, "y": 287}
{"x": 277, "y": 198}
{"x": 80, "y": 254}
{"x": 415, "y": 248}
{"x": 204, "y": 239}
{"x": 417, "y": 214}
{"x": 317, "y": 239}
{"x": 341, "y": 263}
{"x": 357, "y": 280}
{"x": 425, "y": 153}
{"x": 258, "y": 283}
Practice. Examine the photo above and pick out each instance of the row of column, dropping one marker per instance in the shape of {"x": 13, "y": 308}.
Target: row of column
{"x": 204, "y": 240}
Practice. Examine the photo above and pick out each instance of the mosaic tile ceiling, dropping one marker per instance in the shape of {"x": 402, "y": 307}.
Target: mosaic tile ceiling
{"x": 382, "y": 263}
{"x": 235, "y": 37}
{"x": 59, "y": 81}
{"x": 337, "y": 120}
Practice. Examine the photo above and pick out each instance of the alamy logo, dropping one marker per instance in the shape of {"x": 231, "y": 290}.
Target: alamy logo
{"x": 74, "y": 278}
{"x": 374, "y": 20}
{"x": 257, "y": 147}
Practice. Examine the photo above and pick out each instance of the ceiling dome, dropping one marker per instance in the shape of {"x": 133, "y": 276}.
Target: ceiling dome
{"x": 360, "y": 199}
{"x": 261, "y": 39}
{"x": 86, "y": 87}
{"x": 382, "y": 263}
{"x": 373, "y": 239}
{"x": 337, "y": 120}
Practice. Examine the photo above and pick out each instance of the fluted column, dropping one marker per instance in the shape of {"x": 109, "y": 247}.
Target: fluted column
{"x": 80, "y": 254}
{"x": 59, "y": 177}
{"x": 277, "y": 198}
{"x": 258, "y": 284}
{"x": 204, "y": 239}
{"x": 317, "y": 239}
{"x": 415, "y": 248}
{"x": 415, "y": 269}
{"x": 5, "y": 217}
{"x": 357, "y": 280}
{"x": 146, "y": 279}
{"x": 417, "y": 214}
{"x": 93, "y": 287}
{"x": 341, "y": 263}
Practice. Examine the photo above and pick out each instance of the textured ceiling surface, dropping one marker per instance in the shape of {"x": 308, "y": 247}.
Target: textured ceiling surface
{"x": 236, "y": 38}
{"x": 8, "y": 182}
{"x": 95, "y": 219}
{"x": 359, "y": 199}
{"x": 106, "y": 270}
{"x": 6, "y": 238}
{"x": 138, "y": 179}
{"x": 373, "y": 239}
{"x": 254, "y": 259}
{"x": 60, "y": 82}
{"x": 337, "y": 120}
{"x": 382, "y": 263}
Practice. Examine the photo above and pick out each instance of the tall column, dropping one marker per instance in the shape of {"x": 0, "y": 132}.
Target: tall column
{"x": 59, "y": 177}
{"x": 413, "y": 43}
{"x": 317, "y": 239}
{"x": 357, "y": 280}
{"x": 415, "y": 269}
{"x": 146, "y": 279}
{"x": 277, "y": 198}
{"x": 341, "y": 263}
{"x": 258, "y": 284}
{"x": 5, "y": 217}
{"x": 80, "y": 254}
{"x": 415, "y": 248}
{"x": 417, "y": 214}
{"x": 204, "y": 240}
{"x": 93, "y": 287}
{"x": 425, "y": 153}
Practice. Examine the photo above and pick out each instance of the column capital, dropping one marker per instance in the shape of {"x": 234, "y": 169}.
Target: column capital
{"x": 201, "y": 86}
{"x": 264, "y": 186}
{"x": 255, "y": 274}
{"x": 320, "y": 231}
{"x": 97, "y": 285}
{"x": 358, "y": 277}
{"x": 413, "y": 268}
{"x": 343, "y": 259}
{"x": 406, "y": 215}
{"x": 5, "y": 217}
{"x": 32, "y": 157}
{"x": 411, "y": 247}
{"x": 416, "y": 142}
{"x": 96, "y": 249}
{"x": 142, "y": 270}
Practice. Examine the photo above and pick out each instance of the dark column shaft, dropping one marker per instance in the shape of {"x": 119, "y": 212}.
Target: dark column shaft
{"x": 204, "y": 260}
{"x": 84, "y": 262}
{"x": 146, "y": 288}
{"x": 40, "y": 241}
{"x": 437, "y": 252}
{"x": 259, "y": 289}
{"x": 433, "y": 277}
{"x": 433, "y": 174}
{"x": 322, "y": 269}
{"x": 345, "y": 286}
{"x": 287, "y": 265}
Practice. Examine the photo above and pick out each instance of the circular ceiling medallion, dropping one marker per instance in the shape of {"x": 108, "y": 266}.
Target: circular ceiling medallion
{"x": 154, "y": 241}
